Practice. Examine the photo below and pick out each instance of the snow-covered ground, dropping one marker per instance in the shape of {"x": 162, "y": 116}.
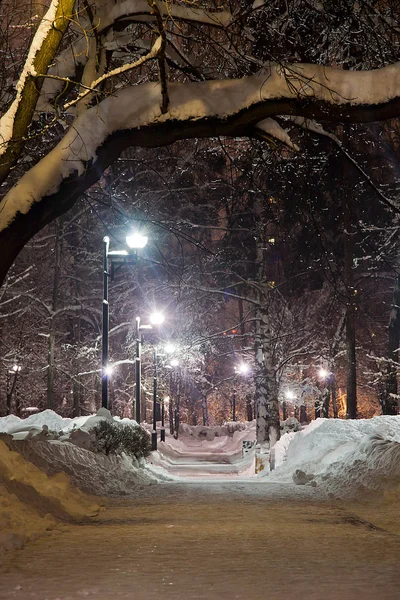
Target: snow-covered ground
{"x": 48, "y": 468}
{"x": 343, "y": 458}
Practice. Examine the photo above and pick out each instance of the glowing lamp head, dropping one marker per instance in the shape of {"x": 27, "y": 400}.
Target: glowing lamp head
{"x": 16, "y": 368}
{"x": 323, "y": 373}
{"x": 136, "y": 240}
{"x": 243, "y": 369}
{"x": 290, "y": 395}
{"x": 170, "y": 348}
{"x": 108, "y": 370}
{"x": 156, "y": 318}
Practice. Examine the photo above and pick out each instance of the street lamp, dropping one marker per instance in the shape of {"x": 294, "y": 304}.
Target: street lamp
{"x": 10, "y": 388}
{"x": 242, "y": 369}
{"x": 134, "y": 240}
{"x": 154, "y": 432}
{"x": 323, "y": 373}
{"x": 156, "y": 318}
{"x": 164, "y": 401}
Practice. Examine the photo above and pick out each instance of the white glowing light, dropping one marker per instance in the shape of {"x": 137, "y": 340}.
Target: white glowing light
{"x": 290, "y": 395}
{"x": 16, "y": 368}
{"x": 166, "y": 399}
{"x": 323, "y": 373}
{"x": 156, "y": 318}
{"x": 108, "y": 370}
{"x": 243, "y": 369}
{"x": 136, "y": 240}
{"x": 170, "y": 348}
{"x": 174, "y": 362}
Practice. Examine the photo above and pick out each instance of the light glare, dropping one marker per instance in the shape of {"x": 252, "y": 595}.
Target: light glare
{"x": 136, "y": 240}
{"x": 174, "y": 362}
{"x": 290, "y": 395}
{"x": 323, "y": 373}
{"x": 243, "y": 368}
{"x": 108, "y": 370}
{"x": 156, "y": 318}
{"x": 170, "y": 348}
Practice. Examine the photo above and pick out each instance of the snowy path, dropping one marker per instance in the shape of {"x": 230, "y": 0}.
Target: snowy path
{"x": 214, "y": 541}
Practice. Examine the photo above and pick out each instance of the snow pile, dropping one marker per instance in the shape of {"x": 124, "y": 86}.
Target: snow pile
{"x": 57, "y": 445}
{"x": 30, "y": 500}
{"x": 344, "y": 458}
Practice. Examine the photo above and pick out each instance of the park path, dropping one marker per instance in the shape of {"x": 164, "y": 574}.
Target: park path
{"x": 215, "y": 541}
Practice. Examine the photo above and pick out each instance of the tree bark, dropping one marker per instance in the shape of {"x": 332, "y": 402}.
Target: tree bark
{"x": 249, "y": 407}
{"x": 350, "y": 323}
{"x": 204, "y": 409}
{"x": 389, "y": 400}
{"x": 54, "y": 300}
{"x": 266, "y": 393}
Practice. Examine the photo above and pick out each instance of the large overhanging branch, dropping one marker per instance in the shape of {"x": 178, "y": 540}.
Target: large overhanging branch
{"x": 201, "y": 109}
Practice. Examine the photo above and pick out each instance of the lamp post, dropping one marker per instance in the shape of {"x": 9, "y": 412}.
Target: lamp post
{"x": 154, "y": 432}
{"x": 10, "y": 389}
{"x": 104, "y": 345}
{"x": 290, "y": 395}
{"x": 156, "y": 318}
{"x": 134, "y": 241}
{"x": 322, "y": 407}
{"x": 163, "y": 402}
{"x": 242, "y": 369}
{"x": 234, "y": 405}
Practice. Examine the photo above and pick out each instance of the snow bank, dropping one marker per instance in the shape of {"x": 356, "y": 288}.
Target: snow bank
{"x": 344, "y": 458}
{"x": 31, "y": 501}
{"x": 19, "y": 522}
{"x": 57, "y": 445}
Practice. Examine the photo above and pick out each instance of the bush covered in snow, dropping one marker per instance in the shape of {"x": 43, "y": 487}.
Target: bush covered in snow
{"x": 116, "y": 438}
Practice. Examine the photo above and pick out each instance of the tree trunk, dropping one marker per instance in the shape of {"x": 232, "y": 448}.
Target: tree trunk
{"x": 334, "y": 397}
{"x": 177, "y": 407}
{"x": 52, "y": 332}
{"x": 326, "y": 396}
{"x": 303, "y": 414}
{"x": 389, "y": 399}
{"x": 76, "y": 409}
{"x": 204, "y": 409}
{"x": 348, "y": 236}
{"x": 249, "y": 407}
{"x": 266, "y": 392}
{"x": 284, "y": 411}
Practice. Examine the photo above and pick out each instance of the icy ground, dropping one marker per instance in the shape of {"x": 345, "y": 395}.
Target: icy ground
{"x": 49, "y": 473}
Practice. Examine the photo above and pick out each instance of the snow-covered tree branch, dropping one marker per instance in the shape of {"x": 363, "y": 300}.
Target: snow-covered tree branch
{"x": 122, "y": 100}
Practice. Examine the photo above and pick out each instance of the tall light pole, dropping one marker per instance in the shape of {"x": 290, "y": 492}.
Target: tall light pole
{"x": 154, "y": 432}
{"x": 135, "y": 241}
{"x": 242, "y": 369}
{"x": 138, "y": 370}
{"x": 104, "y": 352}
{"x": 234, "y": 405}
{"x": 156, "y": 318}
{"x": 164, "y": 401}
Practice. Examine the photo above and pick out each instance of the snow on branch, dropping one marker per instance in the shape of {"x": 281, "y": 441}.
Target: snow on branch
{"x": 15, "y": 122}
{"x": 128, "y": 67}
{"x": 139, "y": 10}
{"x": 270, "y": 128}
{"x": 207, "y": 108}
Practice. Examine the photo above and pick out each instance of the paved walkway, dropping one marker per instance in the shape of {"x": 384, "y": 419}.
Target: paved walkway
{"x": 195, "y": 541}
